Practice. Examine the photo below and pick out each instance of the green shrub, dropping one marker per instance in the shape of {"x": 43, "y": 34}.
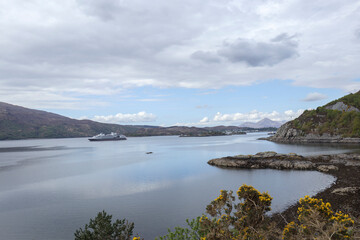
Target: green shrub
{"x": 102, "y": 228}
{"x": 180, "y": 233}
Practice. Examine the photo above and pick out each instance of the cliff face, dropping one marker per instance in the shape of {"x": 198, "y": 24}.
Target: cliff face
{"x": 336, "y": 122}
{"x": 287, "y": 133}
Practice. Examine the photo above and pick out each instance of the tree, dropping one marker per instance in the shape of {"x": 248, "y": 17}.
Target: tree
{"x": 102, "y": 228}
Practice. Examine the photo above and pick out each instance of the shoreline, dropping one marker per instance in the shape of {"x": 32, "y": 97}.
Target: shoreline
{"x": 343, "y": 194}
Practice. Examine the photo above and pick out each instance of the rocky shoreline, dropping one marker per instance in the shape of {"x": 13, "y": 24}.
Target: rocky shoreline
{"x": 344, "y": 194}
{"x": 287, "y": 134}
{"x": 313, "y": 138}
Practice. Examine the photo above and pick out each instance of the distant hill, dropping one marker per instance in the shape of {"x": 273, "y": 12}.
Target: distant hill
{"x": 264, "y": 123}
{"x": 19, "y": 123}
{"x": 337, "y": 121}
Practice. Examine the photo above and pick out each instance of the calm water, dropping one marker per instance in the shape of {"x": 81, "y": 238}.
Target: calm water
{"x": 49, "y": 188}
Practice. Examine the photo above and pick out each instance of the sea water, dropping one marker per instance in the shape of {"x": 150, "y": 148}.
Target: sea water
{"x": 51, "y": 187}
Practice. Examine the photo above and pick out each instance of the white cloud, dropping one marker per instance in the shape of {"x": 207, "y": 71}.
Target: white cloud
{"x": 290, "y": 114}
{"x": 204, "y": 120}
{"x": 83, "y": 118}
{"x": 126, "y": 118}
{"x": 255, "y": 115}
{"x": 315, "y": 96}
{"x": 238, "y": 118}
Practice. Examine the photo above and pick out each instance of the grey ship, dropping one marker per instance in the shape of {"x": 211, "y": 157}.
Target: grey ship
{"x": 107, "y": 137}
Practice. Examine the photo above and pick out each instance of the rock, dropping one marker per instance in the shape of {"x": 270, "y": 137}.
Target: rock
{"x": 345, "y": 190}
{"x": 338, "y": 161}
{"x": 242, "y": 157}
{"x": 352, "y": 163}
{"x": 266, "y": 154}
{"x": 326, "y": 168}
{"x": 281, "y": 164}
{"x": 228, "y": 162}
{"x": 325, "y": 157}
{"x": 275, "y": 160}
{"x": 340, "y": 106}
{"x": 304, "y": 165}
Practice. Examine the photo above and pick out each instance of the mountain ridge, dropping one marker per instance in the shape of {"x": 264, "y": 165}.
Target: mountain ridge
{"x": 17, "y": 122}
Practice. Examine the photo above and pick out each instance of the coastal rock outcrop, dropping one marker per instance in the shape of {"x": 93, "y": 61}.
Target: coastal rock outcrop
{"x": 273, "y": 160}
{"x": 343, "y": 194}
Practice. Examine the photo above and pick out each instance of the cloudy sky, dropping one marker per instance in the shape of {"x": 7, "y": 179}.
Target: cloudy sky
{"x": 188, "y": 62}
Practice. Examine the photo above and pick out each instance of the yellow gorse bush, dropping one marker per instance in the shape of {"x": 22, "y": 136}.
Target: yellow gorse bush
{"x": 244, "y": 217}
{"x": 318, "y": 220}
{"x": 242, "y": 220}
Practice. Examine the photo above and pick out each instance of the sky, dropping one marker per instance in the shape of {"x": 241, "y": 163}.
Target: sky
{"x": 188, "y": 62}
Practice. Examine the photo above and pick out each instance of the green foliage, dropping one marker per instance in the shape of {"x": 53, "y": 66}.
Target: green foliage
{"x": 180, "y": 233}
{"x": 322, "y": 120}
{"x": 102, "y": 228}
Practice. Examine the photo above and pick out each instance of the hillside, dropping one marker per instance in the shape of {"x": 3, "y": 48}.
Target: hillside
{"x": 20, "y": 123}
{"x": 337, "y": 121}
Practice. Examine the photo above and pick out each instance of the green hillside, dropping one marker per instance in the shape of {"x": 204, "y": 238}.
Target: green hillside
{"x": 345, "y": 122}
{"x": 352, "y": 99}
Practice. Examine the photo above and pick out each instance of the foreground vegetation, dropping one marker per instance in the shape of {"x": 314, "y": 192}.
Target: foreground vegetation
{"x": 242, "y": 218}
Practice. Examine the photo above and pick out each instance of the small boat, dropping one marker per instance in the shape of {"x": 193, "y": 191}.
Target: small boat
{"x": 107, "y": 137}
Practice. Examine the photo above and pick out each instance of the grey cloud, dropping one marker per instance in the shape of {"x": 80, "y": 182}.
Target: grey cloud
{"x": 357, "y": 33}
{"x": 209, "y": 57}
{"x": 104, "y": 9}
{"x": 315, "y": 96}
{"x": 255, "y": 53}
{"x": 285, "y": 37}
{"x": 66, "y": 45}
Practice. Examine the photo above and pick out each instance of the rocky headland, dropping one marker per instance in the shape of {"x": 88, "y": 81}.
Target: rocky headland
{"x": 343, "y": 195}
{"x": 287, "y": 133}
{"x": 335, "y": 122}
